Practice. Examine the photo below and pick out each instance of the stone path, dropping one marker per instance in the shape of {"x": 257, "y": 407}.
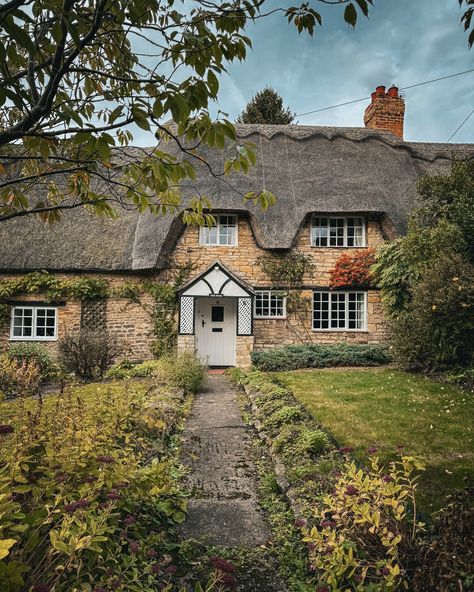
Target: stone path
{"x": 223, "y": 509}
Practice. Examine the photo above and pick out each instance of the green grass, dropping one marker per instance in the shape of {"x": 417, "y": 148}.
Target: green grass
{"x": 388, "y": 407}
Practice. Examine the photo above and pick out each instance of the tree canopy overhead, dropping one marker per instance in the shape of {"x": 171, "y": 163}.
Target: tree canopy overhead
{"x": 77, "y": 77}
{"x": 266, "y": 107}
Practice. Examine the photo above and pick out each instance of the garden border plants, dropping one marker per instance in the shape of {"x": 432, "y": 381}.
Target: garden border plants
{"x": 359, "y": 523}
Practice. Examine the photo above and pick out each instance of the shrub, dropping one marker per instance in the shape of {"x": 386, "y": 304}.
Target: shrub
{"x": 366, "y": 529}
{"x": 82, "y": 507}
{"x": 184, "y": 371}
{"x": 446, "y": 557}
{"x": 18, "y": 379}
{"x": 33, "y": 352}
{"x": 353, "y": 270}
{"x": 436, "y": 331}
{"x": 299, "y": 440}
{"x": 283, "y": 415}
{"x": 88, "y": 354}
{"x": 294, "y": 357}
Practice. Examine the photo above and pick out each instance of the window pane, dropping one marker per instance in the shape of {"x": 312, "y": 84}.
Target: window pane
{"x": 217, "y": 314}
{"x": 319, "y": 232}
{"x": 321, "y": 310}
{"x": 336, "y": 232}
{"x": 269, "y": 304}
{"x": 355, "y": 232}
{"x": 356, "y": 310}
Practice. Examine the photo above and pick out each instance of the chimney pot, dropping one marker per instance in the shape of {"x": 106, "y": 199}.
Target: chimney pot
{"x": 386, "y": 112}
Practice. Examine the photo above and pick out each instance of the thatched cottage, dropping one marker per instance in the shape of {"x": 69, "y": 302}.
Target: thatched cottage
{"x": 339, "y": 190}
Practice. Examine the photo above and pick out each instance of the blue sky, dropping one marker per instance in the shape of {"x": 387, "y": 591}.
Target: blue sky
{"x": 403, "y": 42}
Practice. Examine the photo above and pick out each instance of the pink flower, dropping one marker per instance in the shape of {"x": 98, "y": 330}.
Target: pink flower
{"x": 385, "y": 571}
{"x": 8, "y": 429}
{"x": 345, "y": 450}
{"x": 129, "y": 520}
{"x": 89, "y": 479}
{"x": 387, "y": 479}
{"x": 61, "y": 478}
{"x": 113, "y": 495}
{"x": 328, "y": 524}
{"x": 121, "y": 485}
{"x": 299, "y": 523}
{"x": 372, "y": 450}
{"x": 351, "y": 490}
{"x": 228, "y": 581}
{"x": 104, "y": 458}
{"x": 151, "y": 553}
{"x": 171, "y": 569}
{"x": 134, "y": 547}
{"x": 156, "y": 568}
{"x": 222, "y": 565}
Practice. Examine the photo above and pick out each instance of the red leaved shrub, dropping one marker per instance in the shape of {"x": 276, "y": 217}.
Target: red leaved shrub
{"x": 353, "y": 270}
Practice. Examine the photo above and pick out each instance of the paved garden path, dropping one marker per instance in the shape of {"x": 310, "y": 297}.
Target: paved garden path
{"x": 223, "y": 509}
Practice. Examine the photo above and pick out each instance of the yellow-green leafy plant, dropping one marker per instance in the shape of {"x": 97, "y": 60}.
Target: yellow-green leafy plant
{"x": 366, "y": 528}
{"x": 18, "y": 378}
{"x": 89, "y": 488}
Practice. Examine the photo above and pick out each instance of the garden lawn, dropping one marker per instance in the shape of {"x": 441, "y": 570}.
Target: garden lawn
{"x": 389, "y": 408}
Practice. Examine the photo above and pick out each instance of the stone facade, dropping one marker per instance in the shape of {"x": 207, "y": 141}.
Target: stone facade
{"x": 132, "y": 322}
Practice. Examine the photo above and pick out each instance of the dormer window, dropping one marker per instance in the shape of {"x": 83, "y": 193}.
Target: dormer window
{"x": 223, "y": 233}
{"x": 337, "y": 231}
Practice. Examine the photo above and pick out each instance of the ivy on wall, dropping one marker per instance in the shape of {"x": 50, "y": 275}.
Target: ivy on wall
{"x": 163, "y": 310}
{"x": 286, "y": 273}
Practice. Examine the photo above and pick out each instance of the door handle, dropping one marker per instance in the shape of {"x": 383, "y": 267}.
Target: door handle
{"x": 203, "y": 322}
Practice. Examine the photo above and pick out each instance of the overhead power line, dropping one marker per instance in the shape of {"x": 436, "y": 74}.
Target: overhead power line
{"x": 459, "y": 127}
{"x": 402, "y": 88}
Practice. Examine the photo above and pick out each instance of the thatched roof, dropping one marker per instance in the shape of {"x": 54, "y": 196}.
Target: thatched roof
{"x": 310, "y": 169}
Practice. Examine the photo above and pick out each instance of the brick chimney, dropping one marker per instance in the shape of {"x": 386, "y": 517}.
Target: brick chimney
{"x": 386, "y": 111}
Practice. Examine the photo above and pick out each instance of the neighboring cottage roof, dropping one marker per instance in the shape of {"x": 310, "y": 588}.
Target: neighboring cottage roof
{"x": 310, "y": 169}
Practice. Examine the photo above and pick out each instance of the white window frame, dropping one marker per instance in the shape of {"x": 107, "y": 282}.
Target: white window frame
{"x": 34, "y": 327}
{"x": 269, "y": 292}
{"x": 346, "y": 316}
{"x": 218, "y": 217}
{"x": 345, "y": 238}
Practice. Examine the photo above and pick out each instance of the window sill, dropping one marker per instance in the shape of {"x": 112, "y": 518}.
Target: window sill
{"x": 334, "y": 247}
{"x": 213, "y": 246}
{"x": 32, "y": 339}
{"x": 255, "y": 318}
{"x": 340, "y": 330}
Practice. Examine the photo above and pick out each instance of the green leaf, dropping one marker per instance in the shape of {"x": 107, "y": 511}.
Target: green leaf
{"x": 212, "y": 82}
{"x": 350, "y": 15}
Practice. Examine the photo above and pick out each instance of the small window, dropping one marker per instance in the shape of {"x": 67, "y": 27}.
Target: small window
{"x": 338, "y": 232}
{"x": 339, "y": 311}
{"x": 217, "y": 314}
{"x": 223, "y": 233}
{"x": 34, "y": 323}
{"x": 270, "y": 305}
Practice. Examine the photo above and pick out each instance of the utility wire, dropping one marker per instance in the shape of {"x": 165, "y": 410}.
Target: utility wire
{"x": 456, "y": 131}
{"x": 404, "y": 88}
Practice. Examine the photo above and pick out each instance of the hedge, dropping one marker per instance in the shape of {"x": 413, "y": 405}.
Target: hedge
{"x": 294, "y": 357}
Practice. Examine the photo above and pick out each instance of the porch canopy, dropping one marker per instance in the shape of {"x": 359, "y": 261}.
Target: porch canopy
{"x": 218, "y": 282}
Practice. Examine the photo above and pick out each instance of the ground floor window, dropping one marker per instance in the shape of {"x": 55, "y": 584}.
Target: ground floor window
{"x": 333, "y": 311}
{"x": 34, "y": 323}
{"x": 270, "y": 304}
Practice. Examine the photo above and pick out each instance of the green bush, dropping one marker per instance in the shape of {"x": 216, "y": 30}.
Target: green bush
{"x": 24, "y": 352}
{"x": 299, "y": 440}
{"x": 184, "y": 371}
{"x": 436, "y": 331}
{"x": 294, "y": 357}
{"x": 283, "y": 415}
{"x": 18, "y": 379}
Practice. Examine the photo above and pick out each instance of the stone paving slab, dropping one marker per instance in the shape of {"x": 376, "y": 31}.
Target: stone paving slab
{"x": 223, "y": 509}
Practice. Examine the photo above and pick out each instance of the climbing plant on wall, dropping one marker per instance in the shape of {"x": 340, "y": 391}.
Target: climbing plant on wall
{"x": 286, "y": 273}
{"x": 353, "y": 270}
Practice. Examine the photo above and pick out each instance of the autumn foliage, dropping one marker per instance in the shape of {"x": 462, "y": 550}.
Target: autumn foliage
{"x": 353, "y": 270}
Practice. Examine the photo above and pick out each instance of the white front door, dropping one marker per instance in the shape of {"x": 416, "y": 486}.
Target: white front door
{"x": 215, "y": 331}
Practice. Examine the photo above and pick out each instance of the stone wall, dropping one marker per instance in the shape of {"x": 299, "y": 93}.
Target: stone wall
{"x": 132, "y": 322}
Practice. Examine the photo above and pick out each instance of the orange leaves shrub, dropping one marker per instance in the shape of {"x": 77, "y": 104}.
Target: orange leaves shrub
{"x": 353, "y": 270}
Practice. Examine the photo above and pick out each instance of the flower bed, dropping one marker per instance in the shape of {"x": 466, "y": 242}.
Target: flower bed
{"x": 89, "y": 488}
{"x": 359, "y": 524}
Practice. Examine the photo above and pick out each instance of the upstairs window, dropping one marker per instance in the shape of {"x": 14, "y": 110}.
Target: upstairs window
{"x": 339, "y": 311}
{"x": 270, "y": 305}
{"x": 223, "y": 233}
{"x": 34, "y": 323}
{"x": 338, "y": 231}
